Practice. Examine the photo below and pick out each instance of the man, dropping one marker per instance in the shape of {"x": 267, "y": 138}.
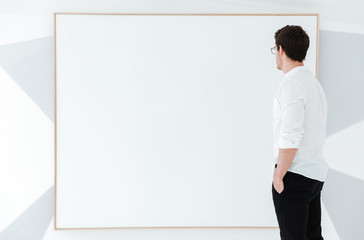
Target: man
{"x": 299, "y": 132}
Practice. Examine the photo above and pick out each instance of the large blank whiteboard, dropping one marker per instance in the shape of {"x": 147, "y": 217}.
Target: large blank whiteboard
{"x": 166, "y": 120}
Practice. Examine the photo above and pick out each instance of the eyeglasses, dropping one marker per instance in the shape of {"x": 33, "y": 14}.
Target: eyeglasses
{"x": 273, "y": 50}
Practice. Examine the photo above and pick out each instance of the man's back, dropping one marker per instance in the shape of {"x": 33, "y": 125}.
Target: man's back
{"x": 301, "y": 84}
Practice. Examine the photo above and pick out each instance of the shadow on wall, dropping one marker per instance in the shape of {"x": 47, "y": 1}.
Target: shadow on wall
{"x": 343, "y": 196}
{"x": 31, "y": 65}
{"x": 341, "y": 74}
{"x": 33, "y": 223}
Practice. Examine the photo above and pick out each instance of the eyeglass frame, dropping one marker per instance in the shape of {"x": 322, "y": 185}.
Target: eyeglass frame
{"x": 274, "y": 49}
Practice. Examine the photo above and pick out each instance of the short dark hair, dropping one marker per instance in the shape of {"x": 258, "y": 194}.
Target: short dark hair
{"x": 294, "y": 40}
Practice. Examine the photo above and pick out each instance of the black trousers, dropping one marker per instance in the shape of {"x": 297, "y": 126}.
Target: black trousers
{"x": 298, "y": 207}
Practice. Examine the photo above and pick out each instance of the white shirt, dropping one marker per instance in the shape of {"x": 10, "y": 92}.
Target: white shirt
{"x": 299, "y": 121}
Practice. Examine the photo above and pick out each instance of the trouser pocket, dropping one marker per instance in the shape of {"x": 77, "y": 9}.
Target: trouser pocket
{"x": 289, "y": 181}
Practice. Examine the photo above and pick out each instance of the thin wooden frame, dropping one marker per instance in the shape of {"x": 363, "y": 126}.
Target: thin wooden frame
{"x": 192, "y": 14}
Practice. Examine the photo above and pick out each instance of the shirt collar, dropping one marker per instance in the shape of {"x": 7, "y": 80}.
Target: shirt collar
{"x": 293, "y": 71}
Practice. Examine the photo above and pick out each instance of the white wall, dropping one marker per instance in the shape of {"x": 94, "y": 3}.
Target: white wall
{"x": 26, "y": 108}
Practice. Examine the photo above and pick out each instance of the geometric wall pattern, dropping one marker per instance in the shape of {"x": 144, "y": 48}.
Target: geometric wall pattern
{"x": 26, "y": 180}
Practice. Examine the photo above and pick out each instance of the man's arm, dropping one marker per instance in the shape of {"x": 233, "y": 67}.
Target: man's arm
{"x": 293, "y": 115}
{"x": 285, "y": 158}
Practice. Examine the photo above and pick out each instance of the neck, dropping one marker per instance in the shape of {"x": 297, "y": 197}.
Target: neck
{"x": 290, "y": 65}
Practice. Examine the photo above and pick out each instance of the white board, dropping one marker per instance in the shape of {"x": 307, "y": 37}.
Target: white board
{"x": 166, "y": 120}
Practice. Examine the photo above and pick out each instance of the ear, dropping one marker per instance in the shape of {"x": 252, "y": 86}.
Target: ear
{"x": 281, "y": 51}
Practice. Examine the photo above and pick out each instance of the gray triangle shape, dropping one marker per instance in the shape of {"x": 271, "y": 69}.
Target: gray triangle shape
{"x": 33, "y": 223}
{"x": 31, "y": 65}
{"x": 343, "y": 196}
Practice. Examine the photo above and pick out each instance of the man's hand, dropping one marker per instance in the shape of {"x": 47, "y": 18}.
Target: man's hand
{"x": 278, "y": 185}
{"x": 285, "y": 158}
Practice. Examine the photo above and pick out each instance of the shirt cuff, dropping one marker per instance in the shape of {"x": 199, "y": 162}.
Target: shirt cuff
{"x": 288, "y": 142}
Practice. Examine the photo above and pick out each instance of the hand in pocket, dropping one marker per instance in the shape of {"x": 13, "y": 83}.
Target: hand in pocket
{"x": 278, "y": 186}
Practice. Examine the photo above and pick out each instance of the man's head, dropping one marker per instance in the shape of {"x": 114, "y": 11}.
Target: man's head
{"x": 292, "y": 43}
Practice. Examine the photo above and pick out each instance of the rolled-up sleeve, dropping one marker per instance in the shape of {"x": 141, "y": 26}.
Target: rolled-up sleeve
{"x": 292, "y": 102}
